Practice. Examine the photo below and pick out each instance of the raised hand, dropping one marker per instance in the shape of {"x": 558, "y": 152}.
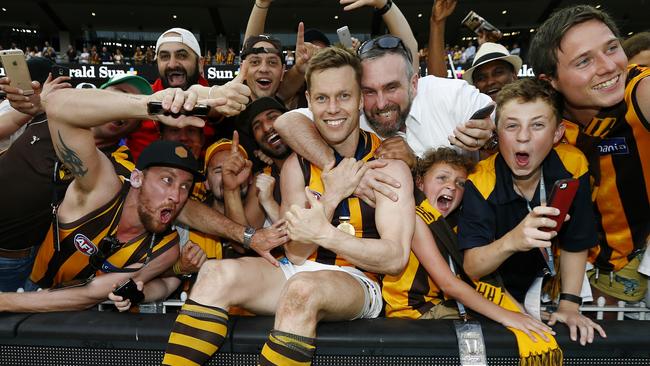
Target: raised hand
{"x": 235, "y": 93}
{"x": 306, "y": 224}
{"x": 304, "y": 50}
{"x": 265, "y": 184}
{"x": 31, "y": 104}
{"x": 341, "y": 181}
{"x": 442, "y": 9}
{"x": 235, "y": 169}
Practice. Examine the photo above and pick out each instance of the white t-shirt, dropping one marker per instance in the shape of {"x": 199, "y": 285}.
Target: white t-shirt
{"x": 439, "y": 106}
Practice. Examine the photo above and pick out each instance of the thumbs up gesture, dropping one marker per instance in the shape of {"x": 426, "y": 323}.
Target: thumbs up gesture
{"x": 306, "y": 225}
{"x": 235, "y": 92}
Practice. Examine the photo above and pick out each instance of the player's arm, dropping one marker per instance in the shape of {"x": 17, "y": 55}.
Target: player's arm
{"x": 80, "y": 298}
{"x": 390, "y": 253}
{"x": 426, "y": 250}
{"x": 292, "y": 186}
{"x": 299, "y": 132}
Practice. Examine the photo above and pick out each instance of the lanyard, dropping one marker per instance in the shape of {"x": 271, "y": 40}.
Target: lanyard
{"x": 546, "y": 252}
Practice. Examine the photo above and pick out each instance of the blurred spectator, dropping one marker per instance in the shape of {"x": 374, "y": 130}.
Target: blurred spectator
{"x": 138, "y": 56}
{"x": 207, "y": 60}
{"x": 94, "y": 56}
{"x": 118, "y": 57}
{"x": 105, "y": 56}
{"x": 37, "y": 52}
{"x": 49, "y": 52}
{"x": 148, "y": 56}
{"x": 219, "y": 56}
{"x": 71, "y": 53}
{"x": 13, "y": 46}
{"x": 230, "y": 57}
{"x": 515, "y": 49}
{"x": 290, "y": 59}
{"x": 29, "y": 53}
{"x": 469, "y": 53}
{"x": 84, "y": 56}
{"x": 637, "y": 49}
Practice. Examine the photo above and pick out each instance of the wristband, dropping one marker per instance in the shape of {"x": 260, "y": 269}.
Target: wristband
{"x": 571, "y": 298}
{"x": 261, "y": 7}
{"x": 383, "y": 10}
{"x": 177, "y": 268}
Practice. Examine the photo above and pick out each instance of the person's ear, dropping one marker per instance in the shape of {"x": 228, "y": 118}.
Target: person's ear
{"x": 551, "y": 80}
{"x": 136, "y": 178}
{"x": 419, "y": 182}
{"x": 559, "y": 132}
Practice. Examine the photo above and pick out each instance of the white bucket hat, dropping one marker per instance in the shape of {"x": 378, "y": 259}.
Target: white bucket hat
{"x": 490, "y": 52}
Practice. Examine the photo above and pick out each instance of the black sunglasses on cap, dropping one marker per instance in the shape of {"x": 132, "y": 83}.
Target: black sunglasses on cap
{"x": 386, "y": 42}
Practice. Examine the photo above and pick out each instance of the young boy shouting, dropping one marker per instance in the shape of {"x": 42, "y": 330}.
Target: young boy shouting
{"x": 505, "y": 221}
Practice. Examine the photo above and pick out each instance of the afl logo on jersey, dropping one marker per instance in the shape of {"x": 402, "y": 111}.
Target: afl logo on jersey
{"x": 84, "y": 245}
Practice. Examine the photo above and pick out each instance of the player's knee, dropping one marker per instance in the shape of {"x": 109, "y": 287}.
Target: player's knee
{"x": 301, "y": 295}
{"x": 217, "y": 276}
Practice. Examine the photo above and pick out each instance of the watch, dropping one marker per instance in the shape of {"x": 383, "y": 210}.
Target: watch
{"x": 248, "y": 237}
{"x": 383, "y": 10}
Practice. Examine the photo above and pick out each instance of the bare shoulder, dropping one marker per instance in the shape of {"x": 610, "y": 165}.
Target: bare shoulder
{"x": 398, "y": 170}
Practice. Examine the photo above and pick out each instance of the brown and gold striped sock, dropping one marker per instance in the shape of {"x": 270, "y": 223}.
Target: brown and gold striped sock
{"x": 198, "y": 333}
{"x": 287, "y": 349}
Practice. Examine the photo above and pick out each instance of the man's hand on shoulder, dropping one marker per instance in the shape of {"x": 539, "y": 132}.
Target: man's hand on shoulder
{"x": 396, "y": 148}
{"x": 376, "y": 181}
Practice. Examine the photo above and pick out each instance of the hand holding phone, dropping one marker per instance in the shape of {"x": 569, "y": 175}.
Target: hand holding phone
{"x": 483, "y": 112}
{"x": 16, "y": 69}
{"x": 129, "y": 290}
{"x": 344, "y": 36}
{"x": 562, "y": 195}
{"x": 199, "y": 110}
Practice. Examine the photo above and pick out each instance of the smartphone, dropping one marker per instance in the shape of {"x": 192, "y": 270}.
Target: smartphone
{"x": 129, "y": 290}
{"x": 16, "y": 69}
{"x": 483, "y": 112}
{"x": 199, "y": 110}
{"x": 58, "y": 70}
{"x": 344, "y": 36}
{"x": 477, "y": 23}
{"x": 564, "y": 190}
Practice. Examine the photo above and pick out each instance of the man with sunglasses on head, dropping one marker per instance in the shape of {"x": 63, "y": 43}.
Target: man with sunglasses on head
{"x": 109, "y": 229}
{"x": 411, "y": 114}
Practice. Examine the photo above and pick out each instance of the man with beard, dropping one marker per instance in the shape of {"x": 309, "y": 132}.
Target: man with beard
{"x": 108, "y": 229}
{"x": 178, "y": 57}
{"x": 262, "y": 206}
{"x": 412, "y": 115}
{"x": 27, "y": 202}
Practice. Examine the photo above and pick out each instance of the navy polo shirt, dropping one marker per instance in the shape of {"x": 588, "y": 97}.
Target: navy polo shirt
{"x": 491, "y": 208}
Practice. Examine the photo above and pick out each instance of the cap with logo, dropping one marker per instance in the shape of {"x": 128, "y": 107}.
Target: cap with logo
{"x": 171, "y": 154}
{"x": 183, "y": 36}
{"x": 253, "y": 40}
{"x": 220, "y": 145}
{"x": 136, "y": 81}
{"x": 491, "y": 52}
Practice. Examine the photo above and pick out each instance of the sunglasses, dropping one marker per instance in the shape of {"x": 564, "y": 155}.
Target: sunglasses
{"x": 386, "y": 42}
{"x": 109, "y": 246}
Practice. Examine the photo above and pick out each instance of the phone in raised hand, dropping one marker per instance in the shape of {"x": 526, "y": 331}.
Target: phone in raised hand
{"x": 16, "y": 69}
{"x": 344, "y": 36}
{"x": 199, "y": 110}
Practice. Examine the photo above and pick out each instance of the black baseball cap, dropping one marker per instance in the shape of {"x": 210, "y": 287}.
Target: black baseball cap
{"x": 171, "y": 154}
{"x": 254, "y": 108}
{"x": 252, "y": 40}
{"x": 314, "y": 34}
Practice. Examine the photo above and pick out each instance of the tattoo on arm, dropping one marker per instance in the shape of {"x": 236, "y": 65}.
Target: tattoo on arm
{"x": 71, "y": 159}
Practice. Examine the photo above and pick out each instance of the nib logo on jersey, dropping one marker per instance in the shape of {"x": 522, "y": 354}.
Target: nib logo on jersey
{"x": 85, "y": 245}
